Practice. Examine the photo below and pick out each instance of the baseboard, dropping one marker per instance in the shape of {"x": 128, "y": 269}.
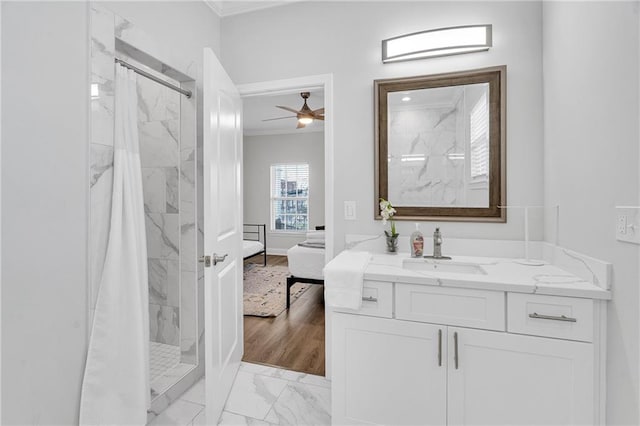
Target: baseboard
{"x": 276, "y": 251}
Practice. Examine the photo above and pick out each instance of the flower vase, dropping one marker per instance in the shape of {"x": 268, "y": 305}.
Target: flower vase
{"x": 392, "y": 243}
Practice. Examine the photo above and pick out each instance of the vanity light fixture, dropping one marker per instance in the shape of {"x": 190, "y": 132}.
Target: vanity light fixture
{"x": 438, "y": 42}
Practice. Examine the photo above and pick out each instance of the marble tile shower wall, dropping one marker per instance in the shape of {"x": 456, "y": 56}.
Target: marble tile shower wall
{"x": 429, "y": 134}
{"x": 168, "y": 152}
{"x": 159, "y": 133}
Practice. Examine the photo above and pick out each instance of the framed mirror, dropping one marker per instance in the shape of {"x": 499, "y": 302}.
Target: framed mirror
{"x": 440, "y": 146}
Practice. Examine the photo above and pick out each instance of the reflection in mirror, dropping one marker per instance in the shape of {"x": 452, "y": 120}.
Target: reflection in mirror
{"x": 440, "y": 145}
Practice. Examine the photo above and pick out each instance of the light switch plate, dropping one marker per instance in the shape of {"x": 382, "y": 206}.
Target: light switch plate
{"x": 349, "y": 210}
{"x": 628, "y": 224}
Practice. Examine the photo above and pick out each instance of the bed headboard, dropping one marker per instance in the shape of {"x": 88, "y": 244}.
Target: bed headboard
{"x": 255, "y": 232}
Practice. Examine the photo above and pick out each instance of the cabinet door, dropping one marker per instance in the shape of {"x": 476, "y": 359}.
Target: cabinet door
{"x": 387, "y": 371}
{"x": 508, "y": 379}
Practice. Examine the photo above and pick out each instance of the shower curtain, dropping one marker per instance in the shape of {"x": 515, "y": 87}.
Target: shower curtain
{"x": 115, "y": 390}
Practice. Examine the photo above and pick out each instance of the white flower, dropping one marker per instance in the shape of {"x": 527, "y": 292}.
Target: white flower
{"x": 386, "y": 211}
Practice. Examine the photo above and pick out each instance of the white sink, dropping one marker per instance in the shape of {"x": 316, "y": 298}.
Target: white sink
{"x": 442, "y": 266}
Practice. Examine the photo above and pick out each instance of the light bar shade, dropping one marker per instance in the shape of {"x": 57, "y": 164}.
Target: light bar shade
{"x": 438, "y": 42}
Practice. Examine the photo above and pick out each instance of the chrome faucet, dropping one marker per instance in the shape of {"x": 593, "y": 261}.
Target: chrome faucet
{"x": 437, "y": 246}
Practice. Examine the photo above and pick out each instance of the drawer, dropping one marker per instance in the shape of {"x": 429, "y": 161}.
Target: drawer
{"x": 451, "y": 306}
{"x": 550, "y": 316}
{"x": 377, "y": 300}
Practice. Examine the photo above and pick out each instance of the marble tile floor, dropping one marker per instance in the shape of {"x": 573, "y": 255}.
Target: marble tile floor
{"x": 260, "y": 395}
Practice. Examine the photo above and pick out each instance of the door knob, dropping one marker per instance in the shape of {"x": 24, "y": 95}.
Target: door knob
{"x": 215, "y": 259}
{"x": 218, "y": 259}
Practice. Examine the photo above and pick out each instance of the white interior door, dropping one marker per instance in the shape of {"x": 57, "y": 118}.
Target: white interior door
{"x": 222, "y": 164}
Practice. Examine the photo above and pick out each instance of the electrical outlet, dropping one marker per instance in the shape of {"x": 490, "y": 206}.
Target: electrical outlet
{"x": 628, "y": 224}
{"x": 621, "y": 228}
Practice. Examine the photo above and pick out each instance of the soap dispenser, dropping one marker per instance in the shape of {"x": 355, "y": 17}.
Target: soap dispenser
{"x": 417, "y": 242}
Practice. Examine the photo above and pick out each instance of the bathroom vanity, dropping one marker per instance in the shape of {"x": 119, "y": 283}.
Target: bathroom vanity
{"x": 470, "y": 341}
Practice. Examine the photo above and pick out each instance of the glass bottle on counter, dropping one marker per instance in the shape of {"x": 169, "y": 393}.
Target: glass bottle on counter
{"x": 417, "y": 242}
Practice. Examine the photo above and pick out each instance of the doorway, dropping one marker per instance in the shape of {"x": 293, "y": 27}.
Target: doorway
{"x": 282, "y": 159}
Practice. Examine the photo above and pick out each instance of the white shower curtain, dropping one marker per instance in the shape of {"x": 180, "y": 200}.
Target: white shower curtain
{"x": 115, "y": 390}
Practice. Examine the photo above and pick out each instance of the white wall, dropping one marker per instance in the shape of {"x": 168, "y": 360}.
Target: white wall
{"x": 0, "y": 211}
{"x": 45, "y": 179}
{"x": 44, "y": 210}
{"x": 591, "y": 133}
{"x": 260, "y": 152}
{"x": 268, "y": 45}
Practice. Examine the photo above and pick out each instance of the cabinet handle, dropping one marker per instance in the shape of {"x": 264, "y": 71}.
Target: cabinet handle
{"x": 551, "y": 317}
{"x": 455, "y": 348}
{"x": 369, "y": 299}
{"x": 440, "y": 348}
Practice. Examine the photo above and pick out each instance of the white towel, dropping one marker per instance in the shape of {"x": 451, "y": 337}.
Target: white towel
{"x": 315, "y": 235}
{"x": 343, "y": 279}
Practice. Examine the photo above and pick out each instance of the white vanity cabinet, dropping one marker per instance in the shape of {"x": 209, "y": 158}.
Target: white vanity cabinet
{"x": 388, "y": 372}
{"x": 510, "y": 379}
{"x": 432, "y": 363}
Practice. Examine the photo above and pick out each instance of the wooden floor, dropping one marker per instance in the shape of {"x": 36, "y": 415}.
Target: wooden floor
{"x": 294, "y": 339}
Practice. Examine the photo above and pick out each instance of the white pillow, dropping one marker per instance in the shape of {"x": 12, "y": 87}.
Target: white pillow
{"x": 315, "y": 235}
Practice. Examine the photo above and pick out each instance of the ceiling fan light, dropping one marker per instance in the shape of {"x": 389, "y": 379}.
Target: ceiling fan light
{"x": 305, "y": 120}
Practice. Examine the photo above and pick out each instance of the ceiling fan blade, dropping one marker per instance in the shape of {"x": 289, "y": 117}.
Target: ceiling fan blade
{"x": 319, "y": 111}
{"x": 279, "y": 118}
{"x": 295, "y": 111}
{"x": 300, "y": 125}
{"x": 318, "y": 117}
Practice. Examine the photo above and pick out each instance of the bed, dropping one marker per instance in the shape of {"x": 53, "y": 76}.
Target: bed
{"x": 254, "y": 241}
{"x": 305, "y": 265}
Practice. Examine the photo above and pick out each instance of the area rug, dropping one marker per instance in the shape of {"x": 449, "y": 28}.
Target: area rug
{"x": 265, "y": 290}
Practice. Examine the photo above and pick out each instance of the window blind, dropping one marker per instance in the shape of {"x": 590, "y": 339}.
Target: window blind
{"x": 479, "y": 139}
{"x": 289, "y": 197}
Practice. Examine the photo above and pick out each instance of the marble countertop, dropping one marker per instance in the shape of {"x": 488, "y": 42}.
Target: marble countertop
{"x": 502, "y": 274}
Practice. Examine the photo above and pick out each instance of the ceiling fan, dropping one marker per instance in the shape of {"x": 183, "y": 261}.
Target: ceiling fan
{"x": 305, "y": 115}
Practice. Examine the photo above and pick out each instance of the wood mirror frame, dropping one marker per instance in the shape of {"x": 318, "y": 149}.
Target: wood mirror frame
{"x": 496, "y": 79}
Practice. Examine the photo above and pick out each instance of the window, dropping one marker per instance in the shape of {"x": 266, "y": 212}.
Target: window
{"x": 290, "y": 197}
{"x": 479, "y": 140}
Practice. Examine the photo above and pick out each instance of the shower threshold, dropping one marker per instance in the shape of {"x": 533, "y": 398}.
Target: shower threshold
{"x": 165, "y": 368}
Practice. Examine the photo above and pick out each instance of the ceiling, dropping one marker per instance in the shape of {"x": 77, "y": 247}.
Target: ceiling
{"x": 258, "y": 108}
{"x": 235, "y": 7}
